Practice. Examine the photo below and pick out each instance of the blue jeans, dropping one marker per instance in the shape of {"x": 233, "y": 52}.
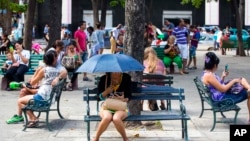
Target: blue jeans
{"x": 39, "y": 101}
{"x": 237, "y": 98}
{"x": 84, "y": 56}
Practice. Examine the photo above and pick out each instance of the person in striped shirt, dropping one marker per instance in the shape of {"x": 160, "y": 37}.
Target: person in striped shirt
{"x": 182, "y": 39}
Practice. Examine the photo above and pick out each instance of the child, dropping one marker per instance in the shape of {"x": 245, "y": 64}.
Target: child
{"x": 7, "y": 63}
{"x": 36, "y": 48}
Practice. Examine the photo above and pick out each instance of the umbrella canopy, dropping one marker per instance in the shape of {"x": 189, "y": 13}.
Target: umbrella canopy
{"x": 110, "y": 63}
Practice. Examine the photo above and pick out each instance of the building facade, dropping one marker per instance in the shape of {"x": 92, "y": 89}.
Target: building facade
{"x": 156, "y": 12}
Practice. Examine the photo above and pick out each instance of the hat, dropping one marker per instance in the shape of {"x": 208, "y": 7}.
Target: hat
{"x": 19, "y": 41}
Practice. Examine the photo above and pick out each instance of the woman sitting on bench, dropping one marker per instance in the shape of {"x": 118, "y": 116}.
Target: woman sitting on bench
{"x": 237, "y": 89}
{"x": 118, "y": 86}
{"x": 46, "y": 75}
{"x": 20, "y": 63}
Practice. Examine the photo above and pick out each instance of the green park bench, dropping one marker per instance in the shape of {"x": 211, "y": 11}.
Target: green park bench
{"x": 150, "y": 92}
{"x": 160, "y": 53}
{"x": 33, "y": 65}
{"x": 216, "y": 106}
{"x": 55, "y": 96}
{"x": 234, "y": 45}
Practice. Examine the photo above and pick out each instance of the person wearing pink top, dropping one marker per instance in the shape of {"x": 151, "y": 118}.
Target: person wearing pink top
{"x": 154, "y": 65}
{"x": 81, "y": 42}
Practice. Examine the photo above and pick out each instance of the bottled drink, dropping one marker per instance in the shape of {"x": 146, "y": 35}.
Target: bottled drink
{"x": 11, "y": 49}
{"x": 15, "y": 85}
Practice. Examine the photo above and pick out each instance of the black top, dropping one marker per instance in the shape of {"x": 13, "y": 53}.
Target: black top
{"x": 125, "y": 85}
{"x": 172, "y": 52}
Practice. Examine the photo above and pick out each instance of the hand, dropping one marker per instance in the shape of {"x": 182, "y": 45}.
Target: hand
{"x": 109, "y": 90}
{"x": 15, "y": 64}
{"x": 55, "y": 81}
{"x": 237, "y": 80}
{"x": 18, "y": 51}
{"x": 225, "y": 74}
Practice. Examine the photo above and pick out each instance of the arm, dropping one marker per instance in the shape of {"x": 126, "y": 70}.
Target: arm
{"x": 37, "y": 78}
{"x": 24, "y": 59}
{"x": 167, "y": 49}
{"x": 209, "y": 79}
{"x": 102, "y": 91}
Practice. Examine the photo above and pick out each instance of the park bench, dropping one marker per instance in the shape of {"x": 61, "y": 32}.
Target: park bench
{"x": 55, "y": 96}
{"x": 216, "y": 106}
{"x": 146, "y": 92}
{"x": 153, "y": 79}
{"x": 160, "y": 54}
{"x": 33, "y": 65}
{"x": 234, "y": 45}
{"x": 159, "y": 79}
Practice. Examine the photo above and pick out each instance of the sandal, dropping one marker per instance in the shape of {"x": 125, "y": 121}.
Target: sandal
{"x": 32, "y": 124}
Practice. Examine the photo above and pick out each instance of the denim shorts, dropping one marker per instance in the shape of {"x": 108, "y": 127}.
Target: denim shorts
{"x": 237, "y": 98}
{"x": 192, "y": 51}
{"x": 38, "y": 100}
{"x": 84, "y": 56}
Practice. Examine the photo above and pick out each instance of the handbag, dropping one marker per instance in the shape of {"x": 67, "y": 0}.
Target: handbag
{"x": 69, "y": 62}
{"x": 114, "y": 104}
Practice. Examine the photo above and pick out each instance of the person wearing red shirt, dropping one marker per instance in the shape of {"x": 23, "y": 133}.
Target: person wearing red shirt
{"x": 81, "y": 38}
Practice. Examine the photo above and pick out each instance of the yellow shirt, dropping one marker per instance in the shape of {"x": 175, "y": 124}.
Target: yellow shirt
{"x": 113, "y": 44}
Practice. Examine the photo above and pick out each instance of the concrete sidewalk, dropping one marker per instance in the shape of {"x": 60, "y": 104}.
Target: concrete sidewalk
{"x": 73, "y": 128}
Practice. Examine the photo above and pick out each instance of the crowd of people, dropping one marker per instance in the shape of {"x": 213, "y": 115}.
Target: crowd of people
{"x": 182, "y": 42}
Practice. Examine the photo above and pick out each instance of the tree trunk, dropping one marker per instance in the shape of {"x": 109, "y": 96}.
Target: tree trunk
{"x": 95, "y": 4}
{"x": 133, "y": 42}
{"x": 240, "y": 50}
{"x": 29, "y": 23}
{"x": 6, "y": 22}
{"x": 149, "y": 8}
{"x": 104, "y": 4}
{"x": 55, "y": 21}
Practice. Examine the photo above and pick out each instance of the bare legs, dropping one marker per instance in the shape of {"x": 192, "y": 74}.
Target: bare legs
{"x": 22, "y": 102}
{"x": 246, "y": 85}
{"x": 107, "y": 117}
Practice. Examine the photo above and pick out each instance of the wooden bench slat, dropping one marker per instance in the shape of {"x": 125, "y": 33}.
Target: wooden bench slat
{"x": 142, "y": 117}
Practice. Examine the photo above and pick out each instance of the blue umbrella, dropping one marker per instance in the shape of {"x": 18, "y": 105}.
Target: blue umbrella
{"x": 110, "y": 63}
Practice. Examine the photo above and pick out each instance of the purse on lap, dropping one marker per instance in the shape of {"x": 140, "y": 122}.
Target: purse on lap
{"x": 114, "y": 104}
{"x": 69, "y": 62}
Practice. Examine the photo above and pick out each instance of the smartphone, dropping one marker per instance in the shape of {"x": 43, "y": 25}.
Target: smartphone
{"x": 226, "y": 68}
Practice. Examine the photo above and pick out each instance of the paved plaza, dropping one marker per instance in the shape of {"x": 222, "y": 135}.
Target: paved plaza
{"x": 73, "y": 128}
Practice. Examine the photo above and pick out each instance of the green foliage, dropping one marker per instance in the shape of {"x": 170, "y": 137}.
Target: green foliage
{"x": 195, "y": 3}
{"x": 114, "y": 3}
{"x": 17, "y": 7}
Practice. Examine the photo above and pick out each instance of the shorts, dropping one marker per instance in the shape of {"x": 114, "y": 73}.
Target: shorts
{"x": 237, "y": 98}
{"x": 192, "y": 51}
{"x": 84, "y": 56}
{"x": 39, "y": 101}
{"x": 101, "y": 45}
{"x": 184, "y": 50}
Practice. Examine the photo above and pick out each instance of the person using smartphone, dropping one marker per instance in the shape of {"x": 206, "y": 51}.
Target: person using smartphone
{"x": 237, "y": 89}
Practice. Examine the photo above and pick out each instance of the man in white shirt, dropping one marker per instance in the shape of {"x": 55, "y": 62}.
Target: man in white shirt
{"x": 20, "y": 66}
{"x": 219, "y": 34}
{"x": 116, "y": 31}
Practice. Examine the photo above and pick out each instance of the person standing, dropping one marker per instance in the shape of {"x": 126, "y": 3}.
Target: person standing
{"x": 81, "y": 38}
{"x": 193, "y": 46}
{"x": 100, "y": 38}
{"x": 218, "y": 39}
{"x": 182, "y": 40}
{"x": 116, "y": 31}
{"x": 167, "y": 29}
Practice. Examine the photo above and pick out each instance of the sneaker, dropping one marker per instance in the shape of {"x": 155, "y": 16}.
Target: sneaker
{"x": 15, "y": 119}
{"x": 69, "y": 87}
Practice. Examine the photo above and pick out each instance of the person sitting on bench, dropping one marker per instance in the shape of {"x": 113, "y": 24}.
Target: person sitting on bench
{"x": 47, "y": 75}
{"x": 113, "y": 83}
{"x": 237, "y": 89}
{"x": 20, "y": 63}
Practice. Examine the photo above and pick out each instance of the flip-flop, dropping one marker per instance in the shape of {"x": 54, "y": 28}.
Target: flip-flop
{"x": 33, "y": 124}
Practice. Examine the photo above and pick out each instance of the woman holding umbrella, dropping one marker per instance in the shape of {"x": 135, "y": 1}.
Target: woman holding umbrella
{"x": 118, "y": 86}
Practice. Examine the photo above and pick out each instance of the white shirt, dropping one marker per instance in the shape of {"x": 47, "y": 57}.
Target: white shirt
{"x": 116, "y": 32}
{"x": 219, "y": 34}
{"x": 25, "y": 54}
